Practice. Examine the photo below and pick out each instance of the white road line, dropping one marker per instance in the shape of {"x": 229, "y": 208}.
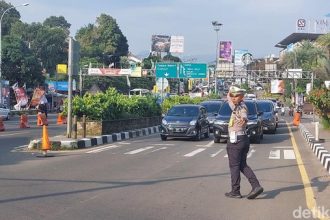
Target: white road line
{"x": 216, "y": 153}
{"x": 139, "y": 150}
{"x": 289, "y": 155}
{"x": 20, "y": 148}
{"x": 226, "y": 155}
{"x": 162, "y": 148}
{"x": 250, "y": 153}
{"x": 123, "y": 143}
{"x": 101, "y": 149}
{"x": 207, "y": 145}
{"x": 193, "y": 153}
{"x": 164, "y": 144}
{"x": 11, "y": 134}
{"x": 275, "y": 154}
{"x": 283, "y": 147}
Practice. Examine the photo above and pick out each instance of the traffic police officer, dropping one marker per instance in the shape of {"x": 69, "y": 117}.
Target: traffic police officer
{"x": 238, "y": 146}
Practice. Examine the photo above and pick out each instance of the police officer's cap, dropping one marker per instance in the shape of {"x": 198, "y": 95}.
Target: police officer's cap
{"x": 236, "y": 90}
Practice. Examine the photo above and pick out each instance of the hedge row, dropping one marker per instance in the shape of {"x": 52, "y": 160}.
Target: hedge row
{"x": 112, "y": 105}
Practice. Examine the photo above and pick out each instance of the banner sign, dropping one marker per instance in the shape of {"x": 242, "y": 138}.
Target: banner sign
{"x": 136, "y": 72}
{"x": 21, "y": 97}
{"x": 225, "y": 51}
{"x": 37, "y": 94}
{"x": 5, "y": 93}
{"x": 277, "y": 86}
{"x": 109, "y": 72}
{"x": 238, "y": 57}
{"x": 177, "y": 43}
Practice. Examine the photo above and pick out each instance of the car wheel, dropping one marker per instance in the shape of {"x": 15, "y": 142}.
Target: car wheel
{"x": 163, "y": 137}
{"x": 216, "y": 140}
{"x": 198, "y": 135}
{"x": 273, "y": 131}
{"x": 207, "y": 134}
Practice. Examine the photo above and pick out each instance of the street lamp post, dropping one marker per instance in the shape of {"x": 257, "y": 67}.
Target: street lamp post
{"x": 25, "y": 4}
{"x": 216, "y": 27}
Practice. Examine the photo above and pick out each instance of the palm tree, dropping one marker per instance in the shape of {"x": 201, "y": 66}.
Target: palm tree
{"x": 324, "y": 41}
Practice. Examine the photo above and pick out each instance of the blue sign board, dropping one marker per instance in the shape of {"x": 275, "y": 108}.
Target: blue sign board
{"x": 166, "y": 70}
{"x": 193, "y": 70}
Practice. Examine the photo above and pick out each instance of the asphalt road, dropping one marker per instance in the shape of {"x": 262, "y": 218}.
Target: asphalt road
{"x": 146, "y": 178}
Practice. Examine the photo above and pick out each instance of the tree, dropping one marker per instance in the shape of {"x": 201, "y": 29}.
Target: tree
{"x": 11, "y": 17}
{"x": 58, "y": 22}
{"x": 19, "y": 63}
{"x": 320, "y": 98}
{"x": 324, "y": 41}
{"x": 103, "y": 41}
{"x": 47, "y": 43}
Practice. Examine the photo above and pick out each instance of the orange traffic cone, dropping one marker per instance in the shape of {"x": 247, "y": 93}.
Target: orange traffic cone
{"x": 296, "y": 118}
{"x": 39, "y": 119}
{"x": 45, "y": 140}
{"x": 24, "y": 121}
{"x": 2, "y": 126}
{"x": 61, "y": 119}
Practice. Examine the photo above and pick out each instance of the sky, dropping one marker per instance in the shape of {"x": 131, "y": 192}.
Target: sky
{"x": 255, "y": 25}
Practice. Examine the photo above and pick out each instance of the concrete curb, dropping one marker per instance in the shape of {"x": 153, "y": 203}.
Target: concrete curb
{"x": 320, "y": 152}
{"x": 94, "y": 141}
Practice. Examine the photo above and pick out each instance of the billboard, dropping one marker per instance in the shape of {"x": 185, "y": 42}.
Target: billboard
{"x": 318, "y": 26}
{"x": 277, "y": 86}
{"x": 160, "y": 43}
{"x": 177, "y": 43}
{"x": 238, "y": 57}
{"x": 108, "y": 72}
{"x": 225, "y": 51}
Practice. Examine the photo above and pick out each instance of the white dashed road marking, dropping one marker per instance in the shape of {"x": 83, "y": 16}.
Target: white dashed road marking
{"x": 193, "y": 153}
{"x": 139, "y": 150}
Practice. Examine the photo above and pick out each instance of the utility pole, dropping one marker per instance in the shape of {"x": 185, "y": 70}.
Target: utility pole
{"x": 216, "y": 27}
{"x": 70, "y": 69}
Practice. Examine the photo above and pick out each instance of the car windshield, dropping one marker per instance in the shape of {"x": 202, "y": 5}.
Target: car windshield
{"x": 183, "y": 111}
{"x": 212, "y": 107}
{"x": 264, "y": 106}
{"x": 225, "y": 110}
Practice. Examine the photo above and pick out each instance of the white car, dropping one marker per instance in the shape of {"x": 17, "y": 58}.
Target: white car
{"x": 4, "y": 112}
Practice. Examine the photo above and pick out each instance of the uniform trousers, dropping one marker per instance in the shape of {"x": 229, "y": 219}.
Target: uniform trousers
{"x": 237, "y": 154}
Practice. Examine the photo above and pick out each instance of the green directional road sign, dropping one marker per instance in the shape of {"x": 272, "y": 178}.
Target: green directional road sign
{"x": 193, "y": 70}
{"x": 166, "y": 70}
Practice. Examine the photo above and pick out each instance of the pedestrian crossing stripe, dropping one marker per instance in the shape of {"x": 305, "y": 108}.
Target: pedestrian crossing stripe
{"x": 287, "y": 154}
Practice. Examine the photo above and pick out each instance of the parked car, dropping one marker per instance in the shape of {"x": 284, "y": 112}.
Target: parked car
{"x": 185, "y": 120}
{"x": 4, "y": 112}
{"x": 212, "y": 109}
{"x": 269, "y": 117}
{"x": 254, "y": 126}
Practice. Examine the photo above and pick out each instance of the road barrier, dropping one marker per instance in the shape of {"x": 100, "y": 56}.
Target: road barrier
{"x": 2, "y": 126}
{"x": 61, "y": 119}
{"x": 45, "y": 140}
{"x": 296, "y": 118}
{"x": 24, "y": 121}
{"x": 41, "y": 119}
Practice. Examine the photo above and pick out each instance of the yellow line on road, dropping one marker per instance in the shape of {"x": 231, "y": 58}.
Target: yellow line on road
{"x": 309, "y": 194}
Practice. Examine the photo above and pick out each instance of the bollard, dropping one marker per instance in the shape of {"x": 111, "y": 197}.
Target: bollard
{"x": 75, "y": 127}
{"x": 317, "y": 131}
{"x": 84, "y": 126}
